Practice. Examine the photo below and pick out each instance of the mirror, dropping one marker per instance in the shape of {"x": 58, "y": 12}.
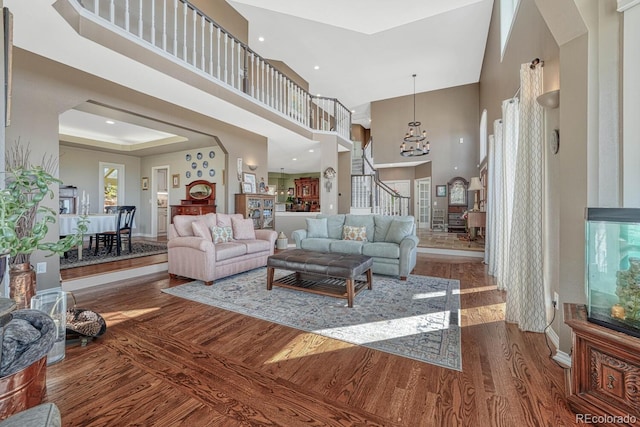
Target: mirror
{"x": 200, "y": 191}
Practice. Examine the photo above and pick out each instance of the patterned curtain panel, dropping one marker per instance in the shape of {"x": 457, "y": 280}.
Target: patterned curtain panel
{"x": 490, "y": 242}
{"x": 524, "y": 276}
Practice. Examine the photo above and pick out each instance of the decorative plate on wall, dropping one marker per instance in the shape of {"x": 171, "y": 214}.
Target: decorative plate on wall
{"x": 212, "y": 154}
{"x": 205, "y": 164}
{"x": 212, "y": 172}
{"x": 188, "y": 174}
{"x": 199, "y": 156}
{"x": 188, "y": 157}
{"x": 194, "y": 165}
{"x": 199, "y": 174}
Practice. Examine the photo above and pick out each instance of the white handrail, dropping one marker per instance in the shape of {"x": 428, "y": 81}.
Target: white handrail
{"x": 220, "y": 56}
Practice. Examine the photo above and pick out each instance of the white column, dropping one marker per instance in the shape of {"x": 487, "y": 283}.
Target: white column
{"x": 630, "y": 102}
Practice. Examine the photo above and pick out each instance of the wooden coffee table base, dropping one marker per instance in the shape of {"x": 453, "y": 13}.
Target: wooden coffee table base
{"x": 322, "y": 285}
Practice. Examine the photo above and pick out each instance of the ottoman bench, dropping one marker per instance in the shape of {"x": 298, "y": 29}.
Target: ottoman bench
{"x": 331, "y": 274}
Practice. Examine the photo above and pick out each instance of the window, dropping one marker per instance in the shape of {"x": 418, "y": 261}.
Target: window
{"x": 111, "y": 181}
{"x": 508, "y": 10}
{"x": 483, "y": 136}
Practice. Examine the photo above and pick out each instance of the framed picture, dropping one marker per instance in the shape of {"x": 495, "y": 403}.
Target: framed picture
{"x": 291, "y": 191}
{"x": 250, "y": 178}
{"x": 441, "y": 191}
{"x": 175, "y": 180}
{"x": 145, "y": 182}
{"x": 247, "y": 188}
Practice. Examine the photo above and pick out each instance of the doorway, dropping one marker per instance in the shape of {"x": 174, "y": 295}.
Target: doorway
{"x": 160, "y": 200}
{"x": 422, "y": 201}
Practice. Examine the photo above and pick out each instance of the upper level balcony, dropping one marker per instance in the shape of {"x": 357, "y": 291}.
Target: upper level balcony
{"x": 177, "y": 39}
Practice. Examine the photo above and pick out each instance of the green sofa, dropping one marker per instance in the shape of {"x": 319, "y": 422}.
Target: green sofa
{"x": 390, "y": 240}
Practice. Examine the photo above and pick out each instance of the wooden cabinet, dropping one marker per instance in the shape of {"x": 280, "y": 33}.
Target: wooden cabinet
{"x": 259, "y": 207}
{"x": 458, "y": 202}
{"x": 200, "y": 200}
{"x": 605, "y": 371}
{"x": 308, "y": 193}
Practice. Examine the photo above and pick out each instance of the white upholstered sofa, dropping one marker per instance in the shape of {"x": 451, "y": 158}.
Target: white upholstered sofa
{"x": 212, "y": 246}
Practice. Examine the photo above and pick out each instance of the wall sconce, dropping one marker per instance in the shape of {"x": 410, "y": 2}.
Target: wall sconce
{"x": 549, "y": 99}
{"x": 252, "y": 167}
{"x": 476, "y": 186}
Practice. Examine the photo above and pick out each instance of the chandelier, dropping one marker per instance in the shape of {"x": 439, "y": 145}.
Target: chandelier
{"x": 414, "y": 138}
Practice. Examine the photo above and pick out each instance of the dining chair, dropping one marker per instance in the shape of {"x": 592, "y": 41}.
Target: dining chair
{"x": 122, "y": 232}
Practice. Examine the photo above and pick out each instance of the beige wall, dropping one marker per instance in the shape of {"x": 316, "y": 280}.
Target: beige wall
{"x": 447, "y": 115}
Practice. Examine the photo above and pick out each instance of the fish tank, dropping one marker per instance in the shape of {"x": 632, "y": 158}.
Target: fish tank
{"x": 613, "y": 268}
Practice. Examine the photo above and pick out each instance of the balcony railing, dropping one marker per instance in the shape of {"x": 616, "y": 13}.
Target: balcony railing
{"x": 181, "y": 30}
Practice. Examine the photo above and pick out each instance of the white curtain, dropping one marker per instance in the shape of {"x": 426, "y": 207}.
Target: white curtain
{"x": 490, "y": 243}
{"x": 525, "y": 288}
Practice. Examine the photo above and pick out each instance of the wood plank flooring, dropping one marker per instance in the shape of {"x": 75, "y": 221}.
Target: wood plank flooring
{"x": 166, "y": 361}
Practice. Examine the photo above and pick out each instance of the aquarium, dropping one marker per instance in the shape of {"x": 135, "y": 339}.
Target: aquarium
{"x": 613, "y": 268}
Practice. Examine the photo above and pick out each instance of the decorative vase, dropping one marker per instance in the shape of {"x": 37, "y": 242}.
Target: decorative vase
{"x": 22, "y": 284}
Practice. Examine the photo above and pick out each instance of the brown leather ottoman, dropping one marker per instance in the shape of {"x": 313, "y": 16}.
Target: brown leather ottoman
{"x": 322, "y": 273}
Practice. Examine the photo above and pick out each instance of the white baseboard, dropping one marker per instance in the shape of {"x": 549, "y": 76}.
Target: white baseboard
{"x": 452, "y": 252}
{"x": 101, "y": 279}
{"x": 561, "y": 357}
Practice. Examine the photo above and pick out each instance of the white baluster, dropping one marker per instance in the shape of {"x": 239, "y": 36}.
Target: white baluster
{"x": 202, "y": 28}
{"x": 175, "y": 28}
{"x": 153, "y": 22}
{"x": 240, "y": 66}
{"x": 112, "y": 12}
{"x": 185, "y": 11}
{"x": 96, "y": 9}
{"x": 211, "y": 48}
{"x": 226, "y": 56}
{"x": 126, "y": 15}
{"x": 252, "y": 76}
{"x": 232, "y": 70}
{"x": 194, "y": 54}
{"x": 140, "y": 25}
{"x": 218, "y": 52}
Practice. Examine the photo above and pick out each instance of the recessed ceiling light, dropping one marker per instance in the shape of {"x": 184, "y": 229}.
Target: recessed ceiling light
{"x": 455, "y": 168}
{"x": 110, "y": 122}
{"x": 317, "y": 67}
{"x": 311, "y": 150}
{"x": 294, "y": 159}
{"x": 353, "y": 111}
{"x": 318, "y": 95}
{"x": 260, "y": 39}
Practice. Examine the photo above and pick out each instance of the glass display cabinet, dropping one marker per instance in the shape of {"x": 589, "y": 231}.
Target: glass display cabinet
{"x": 613, "y": 268}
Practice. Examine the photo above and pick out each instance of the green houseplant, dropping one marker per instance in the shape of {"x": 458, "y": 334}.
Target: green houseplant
{"x": 24, "y": 221}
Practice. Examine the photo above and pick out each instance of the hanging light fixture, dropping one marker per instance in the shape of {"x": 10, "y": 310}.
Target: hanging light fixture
{"x": 414, "y": 138}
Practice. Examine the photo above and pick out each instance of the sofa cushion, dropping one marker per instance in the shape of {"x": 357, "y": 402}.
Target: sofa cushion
{"x": 221, "y": 234}
{"x": 399, "y": 229}
{"x": 201, "y": 230}
{"x": 334, "y": 225}
{"x": 243, "y": 229}
{"x": 346, "y": 246}
{"x": 362, "y": 220}
{"x": 230, "y": 250}
{"x": 224, "y": 220}
{"x": 316, "y": 244}
{"x": 182, "y": 223}
{"x": 382, "y": 224}
{"x": 351, "y": 232}
{"x": 255, "y": 246}
{"x": 317, "y": 227}
{"x": 381, "y": 250}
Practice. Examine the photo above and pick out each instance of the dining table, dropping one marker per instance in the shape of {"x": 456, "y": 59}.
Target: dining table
{"x": 96, "y": 223}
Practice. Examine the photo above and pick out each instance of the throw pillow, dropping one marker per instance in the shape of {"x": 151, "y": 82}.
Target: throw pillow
{"x": 200, "y": 229}
{"x": 351, "y": 232}
{"x": 221, "y": 234}
{"x": 243, "y": 229}
{"x": 398, "y": 230}
{"x": 317, "y": 227}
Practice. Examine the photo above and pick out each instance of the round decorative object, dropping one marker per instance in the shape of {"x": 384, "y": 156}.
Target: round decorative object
{"x": 188, "y": 174}
{"x": 212, "y": 154}
{"x": 205, "y": 164}
{"x": 329, "y": 173}
{"x": 199, "y": 156}
{"x": 199, "y": 174}
{"x": 212, "y": 172}
{"x": 194, "y": 165}
{"x": 188, "y": 157}
{"x": 555, "y": 141}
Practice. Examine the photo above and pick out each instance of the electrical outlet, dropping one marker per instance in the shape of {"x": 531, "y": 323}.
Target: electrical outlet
{"x": 41, "y": 268}
{"x": 556, "y": 300}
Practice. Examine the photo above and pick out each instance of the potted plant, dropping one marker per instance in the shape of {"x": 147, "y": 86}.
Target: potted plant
{"x": 24, "y": 222}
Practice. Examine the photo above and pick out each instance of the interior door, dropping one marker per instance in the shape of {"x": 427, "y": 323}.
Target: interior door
{"x": 422, "y": 207}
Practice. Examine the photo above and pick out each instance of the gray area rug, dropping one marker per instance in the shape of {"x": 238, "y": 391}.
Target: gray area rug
{"x": 138, "y": 249}
{"x": 417, "y": 318}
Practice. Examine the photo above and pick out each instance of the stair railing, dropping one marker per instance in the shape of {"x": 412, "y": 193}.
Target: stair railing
{"x": 182, "y": 32}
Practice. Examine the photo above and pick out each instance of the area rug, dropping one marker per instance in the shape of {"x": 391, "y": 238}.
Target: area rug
{"x": 416, "y": 318}
{"x": 138, "y": 249}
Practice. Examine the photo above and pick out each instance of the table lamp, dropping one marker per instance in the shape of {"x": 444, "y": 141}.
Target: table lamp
{"x": 476, "y": 186}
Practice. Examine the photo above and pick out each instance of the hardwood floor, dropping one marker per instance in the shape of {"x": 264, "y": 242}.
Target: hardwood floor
{"x": 166, "y": 361}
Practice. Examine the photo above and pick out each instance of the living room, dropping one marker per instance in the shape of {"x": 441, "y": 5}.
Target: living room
{"x": 575, "y": 179}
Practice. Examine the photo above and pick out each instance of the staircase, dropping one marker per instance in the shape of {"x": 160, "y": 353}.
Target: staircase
{"x": 368, "y": 193}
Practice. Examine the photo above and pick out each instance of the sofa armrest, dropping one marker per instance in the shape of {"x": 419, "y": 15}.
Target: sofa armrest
{"x": 268, "y": 235}
{"x": 192, "y": 242}
{"x": 409, "y": 242}
{"x": 408, "y": 253}
{"x": 298, "y": 236}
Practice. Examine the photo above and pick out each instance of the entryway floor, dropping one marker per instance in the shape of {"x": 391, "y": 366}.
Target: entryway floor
{"x": 444, "y": 240}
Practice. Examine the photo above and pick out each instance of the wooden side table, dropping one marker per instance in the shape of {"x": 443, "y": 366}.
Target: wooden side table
{"x": 475, "y": 221}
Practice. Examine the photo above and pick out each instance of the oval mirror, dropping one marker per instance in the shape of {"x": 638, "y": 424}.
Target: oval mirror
{"x": 200, "y": 191}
